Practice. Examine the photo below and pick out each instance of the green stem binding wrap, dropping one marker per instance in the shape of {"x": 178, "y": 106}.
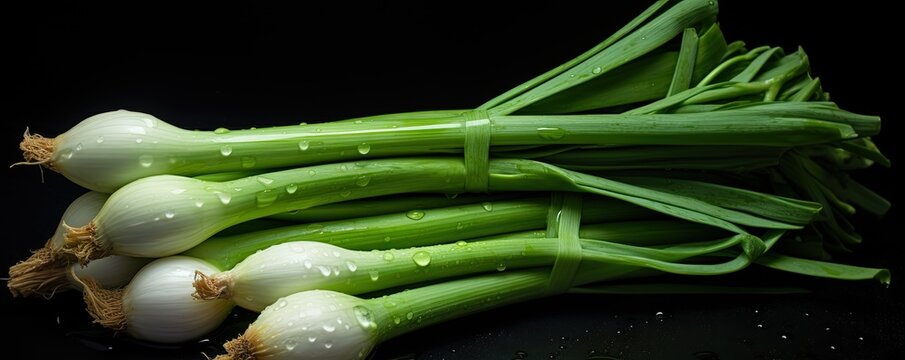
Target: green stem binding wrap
{"x": 477, "y": 151}
{"x": 563, "y": 222}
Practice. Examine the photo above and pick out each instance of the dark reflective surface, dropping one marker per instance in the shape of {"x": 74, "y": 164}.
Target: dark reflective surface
{"x": 237, "y": 67}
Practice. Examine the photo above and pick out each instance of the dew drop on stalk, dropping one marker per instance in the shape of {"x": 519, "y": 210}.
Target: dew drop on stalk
{"x": 199, "y": 204}
{"x": 501, "y": 267}
{"x": 364, "y": 317}
{"x": 266, "y": 198}
{"x": 78, "y": 147}
{"x": 409, "y": 315}
{"x": 177, "y": 191}
{"x": 388, "y": 256}
{"x": 329, "y": 328}
{"x": 328, "y": 345}
{"x": 325, "y": 271}
{"x": 100, "y": 139}
{"x": 139, "y": 140}
{"x": 597, "y": 70}
{"x": 248, "y": 162}
{"x": 386, "y": 239}
{"x": 291, "y": 188}
{"x": 312, "y": 172}
{"x": 374, "y": 275}
{"x": 351, "y": 266}
{"x": 224, "y": 197}
{"x": 363, "y": 180}
{"x": 364, "y": 148}
{"x": 264, "y": 180}
{"x": 421, "y": 258}
{"x": 225, "y": 150}
{"x": 312, "y": 339}
{"x": 146, "y": 160}
{"x": 487, "y": 205}
{"x": 345, "y": 193}
{"x": 169, "y": 214}
{"x": 66, "y": 154}
{"x": 221, "y": 131}
{"x": 461, "y": 243}
{"x": 415, "y": 214}
{"x": 307, "y": 264}
{"x": 303, "y": 145}
{"x": 550, "y": 133}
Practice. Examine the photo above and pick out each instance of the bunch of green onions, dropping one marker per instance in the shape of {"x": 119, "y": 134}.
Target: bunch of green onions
{"x": 662, "y": 150}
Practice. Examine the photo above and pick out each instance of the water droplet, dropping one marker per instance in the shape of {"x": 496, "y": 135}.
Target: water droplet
{"x": 78, "y": 147}
{"x": 343, "y": 167}
{"x": 460, "y": 226}
{"x": 388, "y": 256}
{"x": 267, "y": 197}
{"x": 169, "y": 214}
{"x": 315, "y": 227}
{"x": 363, "y": 180}
{"x": 329, "y": 327}
{"x": 461, "y": 243}
{"x": 351, "y": 266}
{"x": 550, "y": 133}
{"x": 409, "y": 315}
{"x": 501, "y": 267}
{"x": 312, "y": 172}
{"x": 225, "y": 150}
{"x": 307, "y": 264}
{"x": 224, "y": 197}
{"x": 832, "y": 347}
{"x": 784, "y": 337}
{"x": 363, "y": 315}
{"x": 421, "y": 258}
{"x": 415, "y": 214}
{"x": 290, "y": 345}
{"x": 364, "y": 148}
{"x": 139, "y": 140}
{"x": 345, "y": 193}
{"x": 328, "y": 345}
{"x": 597, "y": 70}
{"x": 571, "y": 75}
{"x": 397, "y": 320}
{"x": 177, "y": 191}
{"x": 304, "y": 145}
{"x": 291, "y": 188}
{"x": 325, "y": 271}
{"x": 281, "y": 304}
{"x": 248, "y": 162}
{"x": 386, "y": 238}
{"x": 137, "y": 130}
{"x": 146, "y": 160}
{"x": 487, "y": 205}
{"x": 312, "y": 339}
{"x": 100, "y": 139}
{"x": 264, "y": 180}
{"x": 221, "y": 131}
{"x": 374, "y": 275}
{"x": 199, "y": 204}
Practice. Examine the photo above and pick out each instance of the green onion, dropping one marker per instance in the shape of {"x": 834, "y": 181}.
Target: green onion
{"x": 284, "y": 269}
{"x": 45, "y": 273}
{"x": 165, "y": 215}
{"x": 157, "y": 305}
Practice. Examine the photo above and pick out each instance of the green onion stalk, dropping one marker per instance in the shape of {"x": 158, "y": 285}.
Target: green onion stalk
{"x": 165, "y": 215}
{"x": 637, "y": 64}
{"x": 323, "y": 324}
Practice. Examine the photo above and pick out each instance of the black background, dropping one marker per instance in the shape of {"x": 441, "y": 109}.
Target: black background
{"x": 240, "y": 66}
